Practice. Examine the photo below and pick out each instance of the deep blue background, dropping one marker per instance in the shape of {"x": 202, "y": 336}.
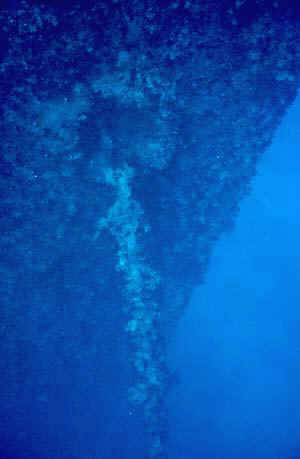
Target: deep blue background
{"x": 238, "y": 345}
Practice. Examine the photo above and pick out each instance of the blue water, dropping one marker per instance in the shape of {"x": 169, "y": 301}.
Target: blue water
{"x": 238, "y": 345}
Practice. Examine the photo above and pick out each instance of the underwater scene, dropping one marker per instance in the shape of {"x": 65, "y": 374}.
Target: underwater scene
{"x": 149, "y": 222}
